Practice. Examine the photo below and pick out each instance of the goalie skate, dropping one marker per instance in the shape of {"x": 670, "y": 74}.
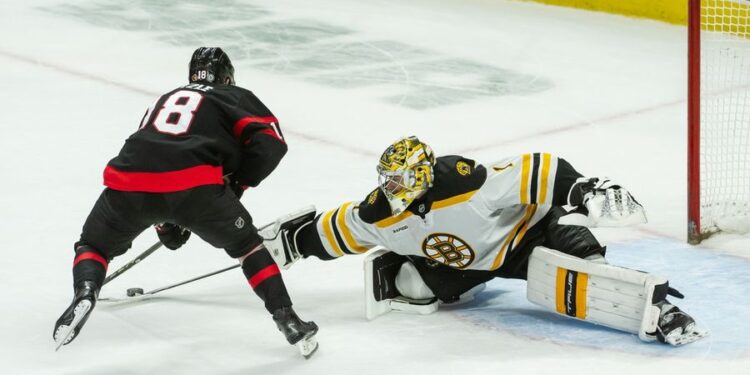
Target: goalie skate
{"x": 280, "y": 237}
{"x": 676, "y": 327}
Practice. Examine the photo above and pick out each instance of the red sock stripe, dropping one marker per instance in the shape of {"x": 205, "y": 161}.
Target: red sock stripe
{"x": 263, "y": 274}
{"x": 90, "y": 255}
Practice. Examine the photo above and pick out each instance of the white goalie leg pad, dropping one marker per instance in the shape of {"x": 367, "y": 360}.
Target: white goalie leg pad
{"x": 381, "y": 294}
{"x": 612, "y": 296}
{"x": 280, "y": 237}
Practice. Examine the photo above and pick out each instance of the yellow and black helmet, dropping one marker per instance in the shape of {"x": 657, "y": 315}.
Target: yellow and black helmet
{"x": 405, "y": 172}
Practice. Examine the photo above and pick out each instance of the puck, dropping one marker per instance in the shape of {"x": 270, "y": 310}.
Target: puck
{"x": 132, "y": 292}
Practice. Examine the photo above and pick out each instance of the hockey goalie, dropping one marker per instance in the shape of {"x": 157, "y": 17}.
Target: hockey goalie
{"x": 448, "y": 225}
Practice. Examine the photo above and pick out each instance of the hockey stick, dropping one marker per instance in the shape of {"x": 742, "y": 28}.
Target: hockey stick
{"x": 134, "y": 292}
{"x": 133, "y": 262}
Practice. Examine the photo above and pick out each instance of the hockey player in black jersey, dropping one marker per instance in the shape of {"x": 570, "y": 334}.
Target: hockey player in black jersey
{"x": 449, "y": 224}
{"x": 197, "y": 148}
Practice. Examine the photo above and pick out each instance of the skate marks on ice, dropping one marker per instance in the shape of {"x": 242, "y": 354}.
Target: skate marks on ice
{"x": 310, "y": 50}
{"x": 717, "y": 295}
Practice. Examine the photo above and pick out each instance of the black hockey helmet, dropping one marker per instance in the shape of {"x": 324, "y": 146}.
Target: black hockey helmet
{"x": 211, "y": 65}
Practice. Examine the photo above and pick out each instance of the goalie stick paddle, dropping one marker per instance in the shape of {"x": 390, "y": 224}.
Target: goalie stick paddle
{"x": 133, "y": 262}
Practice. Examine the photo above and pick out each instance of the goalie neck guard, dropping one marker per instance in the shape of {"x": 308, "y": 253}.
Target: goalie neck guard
{"x": 405, "y": 172}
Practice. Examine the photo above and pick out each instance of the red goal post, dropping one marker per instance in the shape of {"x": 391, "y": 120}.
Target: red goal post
{"x": 718, "y": 117}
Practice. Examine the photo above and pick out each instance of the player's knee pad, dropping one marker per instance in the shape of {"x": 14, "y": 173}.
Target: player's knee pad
{"x": 612, "y": 296}
{"x": 410, "y": 284}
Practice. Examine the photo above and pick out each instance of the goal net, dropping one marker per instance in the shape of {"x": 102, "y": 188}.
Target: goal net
{"x": 719, "y": 117}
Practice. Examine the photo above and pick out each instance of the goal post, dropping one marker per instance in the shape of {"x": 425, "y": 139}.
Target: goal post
{"x": 718, "y": 117}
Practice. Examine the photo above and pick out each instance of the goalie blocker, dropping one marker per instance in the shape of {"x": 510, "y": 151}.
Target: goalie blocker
{"x": 280, "y": 237}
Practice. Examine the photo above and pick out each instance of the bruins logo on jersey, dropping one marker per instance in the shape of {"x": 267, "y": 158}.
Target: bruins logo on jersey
{"x": 373, "y": 197}
{"x": 448, "y": 249}
{"x": 463, "y": 168}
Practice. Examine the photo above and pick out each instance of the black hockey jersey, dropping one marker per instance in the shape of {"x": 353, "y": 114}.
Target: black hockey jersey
{"x": 195, "y": 135}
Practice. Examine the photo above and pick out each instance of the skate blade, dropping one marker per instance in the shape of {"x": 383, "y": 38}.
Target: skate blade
{"x": 307, "y": 346}
{"x": 64, "y": 334}
{"x": 692, "y": 334}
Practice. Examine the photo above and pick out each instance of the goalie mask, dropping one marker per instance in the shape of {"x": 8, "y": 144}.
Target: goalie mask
{"x": 405, "y": 172}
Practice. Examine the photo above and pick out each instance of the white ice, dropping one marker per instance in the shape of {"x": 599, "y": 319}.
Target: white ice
{"x": 483, "y": 78}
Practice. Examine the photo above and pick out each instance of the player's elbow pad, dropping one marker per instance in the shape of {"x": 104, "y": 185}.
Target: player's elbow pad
{"x": 260, "y": 158}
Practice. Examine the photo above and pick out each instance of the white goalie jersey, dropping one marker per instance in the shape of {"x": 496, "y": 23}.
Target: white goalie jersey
{"x": 472, "y": 218}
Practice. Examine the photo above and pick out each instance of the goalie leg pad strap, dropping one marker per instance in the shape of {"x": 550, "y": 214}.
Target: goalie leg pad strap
{"x": 612, "y": 296}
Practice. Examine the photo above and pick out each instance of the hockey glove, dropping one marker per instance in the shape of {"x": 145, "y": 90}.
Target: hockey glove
{"x": 171, "y": 235}
{"x": 608, "y": 204}
{"x": 237, "y": 189}
{"x": 235, "y": 186}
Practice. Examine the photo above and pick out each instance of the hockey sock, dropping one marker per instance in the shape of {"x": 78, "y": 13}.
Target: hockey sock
{"x": 264, "y": 277}
{"x": 89, "y": 264}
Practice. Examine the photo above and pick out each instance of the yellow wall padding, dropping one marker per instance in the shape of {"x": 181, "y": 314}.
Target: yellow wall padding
{"x": 672, "y": 11}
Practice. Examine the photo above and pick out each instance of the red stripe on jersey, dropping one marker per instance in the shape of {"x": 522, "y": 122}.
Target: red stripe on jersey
{"x": 90, "y": 255}
{"x": 263, "y": 274}
{"x": 272, "y": 133}
{"x": 163, "y": 182}
{"x": 240, "y": 125}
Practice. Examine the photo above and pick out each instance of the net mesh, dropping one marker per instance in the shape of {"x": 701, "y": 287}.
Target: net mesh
{"x": 725, "y": 116}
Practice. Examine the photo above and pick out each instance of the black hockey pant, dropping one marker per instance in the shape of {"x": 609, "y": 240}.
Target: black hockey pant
{"x": 213, "y": 212}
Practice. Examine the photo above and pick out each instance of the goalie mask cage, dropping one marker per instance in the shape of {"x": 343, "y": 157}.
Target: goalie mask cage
{"x": 718, "y": 117}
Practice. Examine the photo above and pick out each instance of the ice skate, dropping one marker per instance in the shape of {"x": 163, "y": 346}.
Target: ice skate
{"x": 296, "y": 331}
{"x": 676, "y": 328}
{"x": 72, "y": 320}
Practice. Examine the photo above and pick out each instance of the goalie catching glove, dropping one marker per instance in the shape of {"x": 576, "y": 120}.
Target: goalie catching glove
{"x": 607, "y": 204}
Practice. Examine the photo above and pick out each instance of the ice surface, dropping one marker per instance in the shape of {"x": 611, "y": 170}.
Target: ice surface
{"x": 482, "y": 78}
